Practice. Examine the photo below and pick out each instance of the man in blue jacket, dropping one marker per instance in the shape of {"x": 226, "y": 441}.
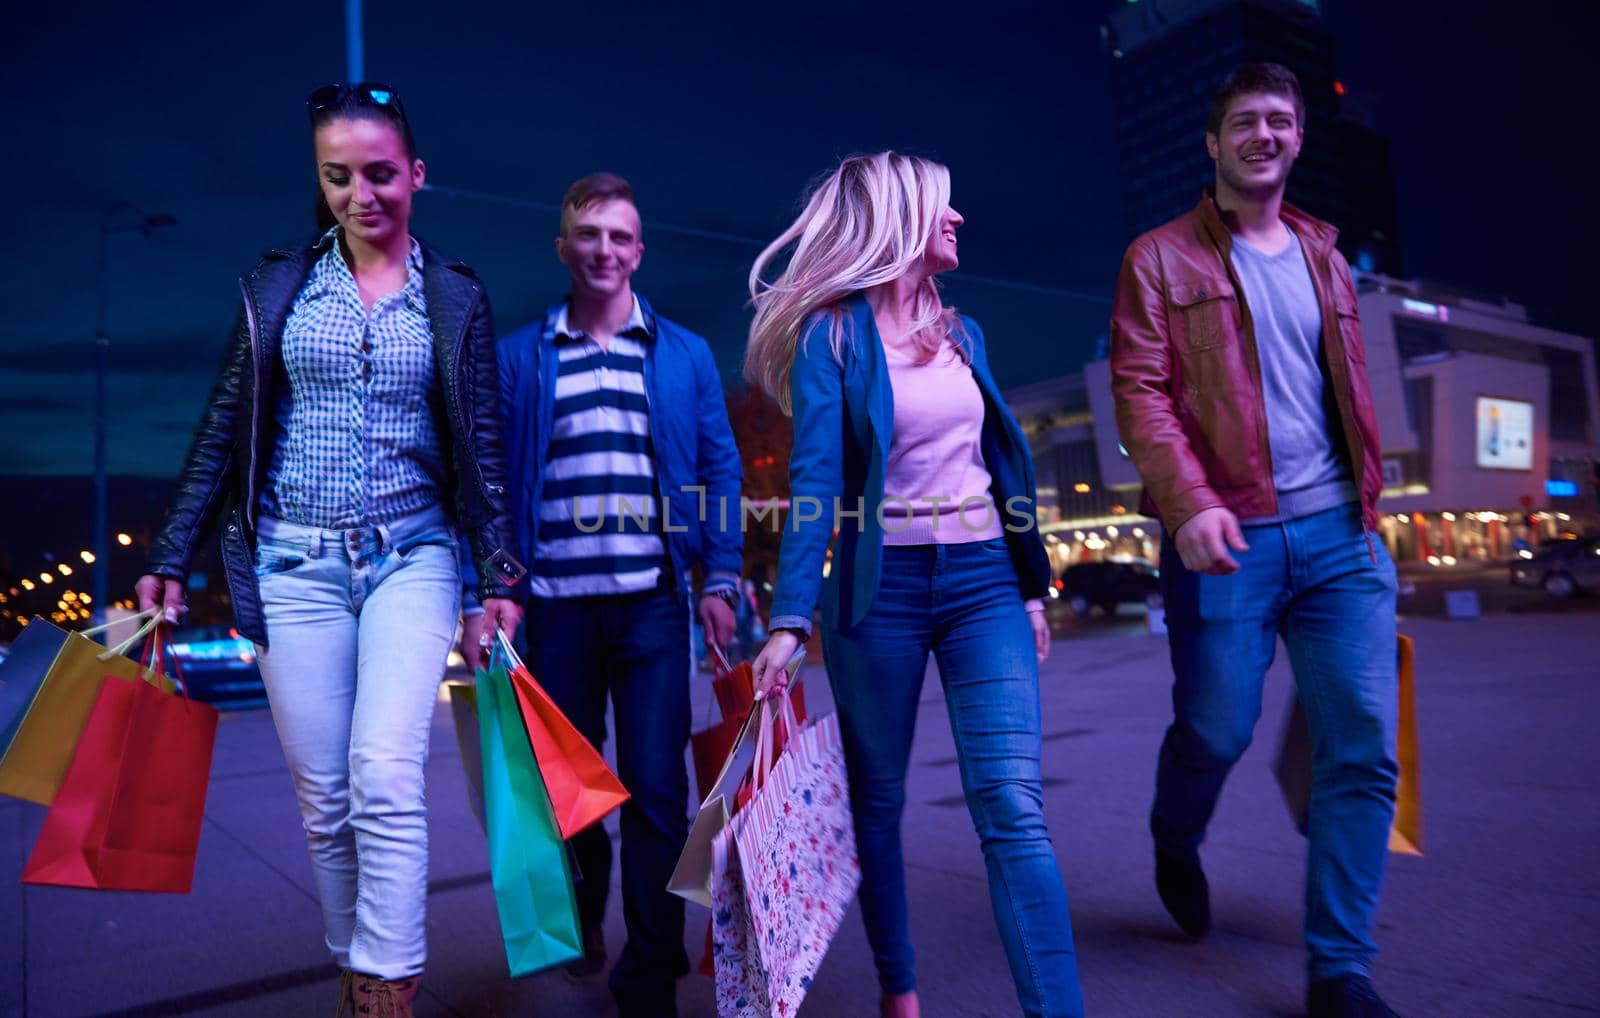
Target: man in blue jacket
{"x": 624, "y": 476}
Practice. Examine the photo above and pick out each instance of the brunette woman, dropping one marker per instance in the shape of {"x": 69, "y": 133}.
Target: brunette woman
{"x": 353, "y": 429}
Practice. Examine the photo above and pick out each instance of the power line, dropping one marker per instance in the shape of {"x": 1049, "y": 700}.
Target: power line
{"x": 756, "y": 243}
{"x": 545, "y": 206}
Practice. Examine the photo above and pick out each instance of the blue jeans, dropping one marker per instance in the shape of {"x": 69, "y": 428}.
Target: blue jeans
{"x": 360, "y": 623}
{"x": 1321, "y": 583}
{"x": 961, "y": 602}
{"x": 634, "y": 647}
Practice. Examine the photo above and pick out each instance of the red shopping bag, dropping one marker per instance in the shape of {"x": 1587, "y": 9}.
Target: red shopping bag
{"x": 735, "y": 691}
{"x": 712, "y": 745}
{"x": 128, "y": 814}
{"x": 582, "y": 788}
{"x": 734, "y": 688}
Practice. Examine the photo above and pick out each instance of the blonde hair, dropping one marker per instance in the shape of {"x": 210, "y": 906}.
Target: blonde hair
{"x": 865, "y": 224}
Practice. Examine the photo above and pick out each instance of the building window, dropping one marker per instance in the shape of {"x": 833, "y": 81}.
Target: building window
{"x": 1418, "y": 339}
{"x": 1419, "y": 411}
{"x": 1569, "y": 395}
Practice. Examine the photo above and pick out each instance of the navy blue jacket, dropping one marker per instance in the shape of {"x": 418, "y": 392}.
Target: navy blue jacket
{"x": 843, "y": 425}
{"x": 689, "y": 432}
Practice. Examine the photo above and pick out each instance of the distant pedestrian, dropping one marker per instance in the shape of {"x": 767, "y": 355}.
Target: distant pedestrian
{"x": 904, "y": 445}
{"x": 747, "y": 620}
{"x": 1242, "y": 397}
{"x": 353, "y": 427}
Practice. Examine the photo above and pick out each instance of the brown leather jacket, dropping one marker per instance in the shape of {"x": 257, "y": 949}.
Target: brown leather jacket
{"x": 1187, "y": 379}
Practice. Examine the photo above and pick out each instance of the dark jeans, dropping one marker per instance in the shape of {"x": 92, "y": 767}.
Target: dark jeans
{"x": 636, "y": 648}
{"x": 1330, "y": 593}
{"x": 961, "y": 602}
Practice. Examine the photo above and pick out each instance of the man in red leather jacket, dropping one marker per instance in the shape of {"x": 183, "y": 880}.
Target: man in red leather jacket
{"x": 1242, "y": 398}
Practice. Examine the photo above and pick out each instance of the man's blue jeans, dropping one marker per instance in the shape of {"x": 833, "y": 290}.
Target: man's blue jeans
{"x": 961, "y": 602}
{"x": 1321, "y": 583}
{"x": 636, "y": 648}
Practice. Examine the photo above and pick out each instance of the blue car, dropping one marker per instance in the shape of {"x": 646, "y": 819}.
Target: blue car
{"x": 219, "y": 667}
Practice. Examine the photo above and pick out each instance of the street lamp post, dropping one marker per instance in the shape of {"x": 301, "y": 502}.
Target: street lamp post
{"x": 115, "y": 220}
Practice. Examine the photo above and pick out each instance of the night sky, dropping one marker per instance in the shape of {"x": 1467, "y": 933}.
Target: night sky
{"x": 719, "y": 114}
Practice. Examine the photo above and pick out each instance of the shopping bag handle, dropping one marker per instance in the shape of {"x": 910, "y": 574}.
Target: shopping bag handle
{"x": 503, "y": 644}
{"x": 154, "y": 659}
{"x": 771, "y": 709}
{"x": 152, "y": 620}
{"x": 102, "y": 627}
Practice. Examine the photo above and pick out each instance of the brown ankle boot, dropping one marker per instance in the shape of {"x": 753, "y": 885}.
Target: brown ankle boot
{"x": 383, "y": 998}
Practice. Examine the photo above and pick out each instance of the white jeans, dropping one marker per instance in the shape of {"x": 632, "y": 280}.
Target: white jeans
{"x": 359, "y": 624}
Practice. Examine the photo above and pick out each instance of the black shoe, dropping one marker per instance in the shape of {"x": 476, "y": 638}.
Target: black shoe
{"x": 1348, "y": 996}
{"x": 1183, "y": 889}
{"x": 593, "y": 961}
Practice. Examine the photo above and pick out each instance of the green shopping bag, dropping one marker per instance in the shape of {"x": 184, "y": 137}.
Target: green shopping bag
{"x": 527, "y": 858}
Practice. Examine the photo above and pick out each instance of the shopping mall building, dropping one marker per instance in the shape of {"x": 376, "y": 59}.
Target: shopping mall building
{"x": 1490, "y": 427}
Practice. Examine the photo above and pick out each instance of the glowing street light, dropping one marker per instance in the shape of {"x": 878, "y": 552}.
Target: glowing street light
{"x": 64, "y": 569}
{"x": 46, "y": 578}
{"x": 87, "y": 556}
{"x": 124, "y": 540}
{"x": 27, "y": 584}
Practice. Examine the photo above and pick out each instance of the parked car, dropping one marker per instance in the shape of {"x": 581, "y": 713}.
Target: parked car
{"x": 1088, "y": 585}
{"x": 219, "y": 667}
{"x": 1562, "y": 568}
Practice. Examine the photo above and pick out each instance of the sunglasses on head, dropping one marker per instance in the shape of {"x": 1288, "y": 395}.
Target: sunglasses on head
{"x": 369, "y": 93}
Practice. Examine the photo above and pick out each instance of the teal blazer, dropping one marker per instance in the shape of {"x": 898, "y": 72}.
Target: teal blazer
{"x": 843, "y": 424}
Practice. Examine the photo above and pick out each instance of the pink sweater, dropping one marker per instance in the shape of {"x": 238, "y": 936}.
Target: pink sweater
{"x": 935, "y": 453}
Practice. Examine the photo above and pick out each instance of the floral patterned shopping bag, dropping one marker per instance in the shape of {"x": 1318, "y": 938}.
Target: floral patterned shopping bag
{"x": 741, "y": 985}
{"x": 796, "y": 860}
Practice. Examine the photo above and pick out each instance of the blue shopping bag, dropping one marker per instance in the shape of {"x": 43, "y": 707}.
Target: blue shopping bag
{"x": 23, "y": 671}
{"x": 527, "y": 859}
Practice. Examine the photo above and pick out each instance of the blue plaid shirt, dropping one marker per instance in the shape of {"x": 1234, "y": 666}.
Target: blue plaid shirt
{"x": 356, "y": 443}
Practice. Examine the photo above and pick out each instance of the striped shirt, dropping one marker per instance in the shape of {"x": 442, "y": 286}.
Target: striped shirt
{"x": 599, "y": 527}
{"x": 356, "y": 443}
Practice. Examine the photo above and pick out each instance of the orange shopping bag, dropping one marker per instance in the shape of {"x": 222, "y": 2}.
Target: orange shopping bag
{"x": 582, "y": 788}
{"x": 1293, "y": 765}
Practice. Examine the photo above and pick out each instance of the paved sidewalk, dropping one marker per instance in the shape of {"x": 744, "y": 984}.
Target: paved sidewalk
{"x": 1499, "y": 919}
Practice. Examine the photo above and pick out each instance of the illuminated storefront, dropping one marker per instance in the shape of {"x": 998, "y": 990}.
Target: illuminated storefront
{"x": 1490, "y": 425}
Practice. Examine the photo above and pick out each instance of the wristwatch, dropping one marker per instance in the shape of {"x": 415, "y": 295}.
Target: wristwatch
{"x": 727, "y": 595}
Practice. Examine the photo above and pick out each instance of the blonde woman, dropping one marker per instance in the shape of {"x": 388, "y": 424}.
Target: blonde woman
{"x": 904, "y": 446}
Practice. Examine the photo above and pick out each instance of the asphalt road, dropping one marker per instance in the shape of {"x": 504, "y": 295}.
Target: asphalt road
{"x": 1496, "y": 921}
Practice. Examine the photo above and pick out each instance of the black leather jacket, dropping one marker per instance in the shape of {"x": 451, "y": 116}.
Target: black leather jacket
{"x": 227, "y": 463}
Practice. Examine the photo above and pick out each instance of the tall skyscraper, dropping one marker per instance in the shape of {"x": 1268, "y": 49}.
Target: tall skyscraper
{"x": 1168, "y": 56}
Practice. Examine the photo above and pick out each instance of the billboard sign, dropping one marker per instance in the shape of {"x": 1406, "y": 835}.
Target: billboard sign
{"x": 1505, "y": 434}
